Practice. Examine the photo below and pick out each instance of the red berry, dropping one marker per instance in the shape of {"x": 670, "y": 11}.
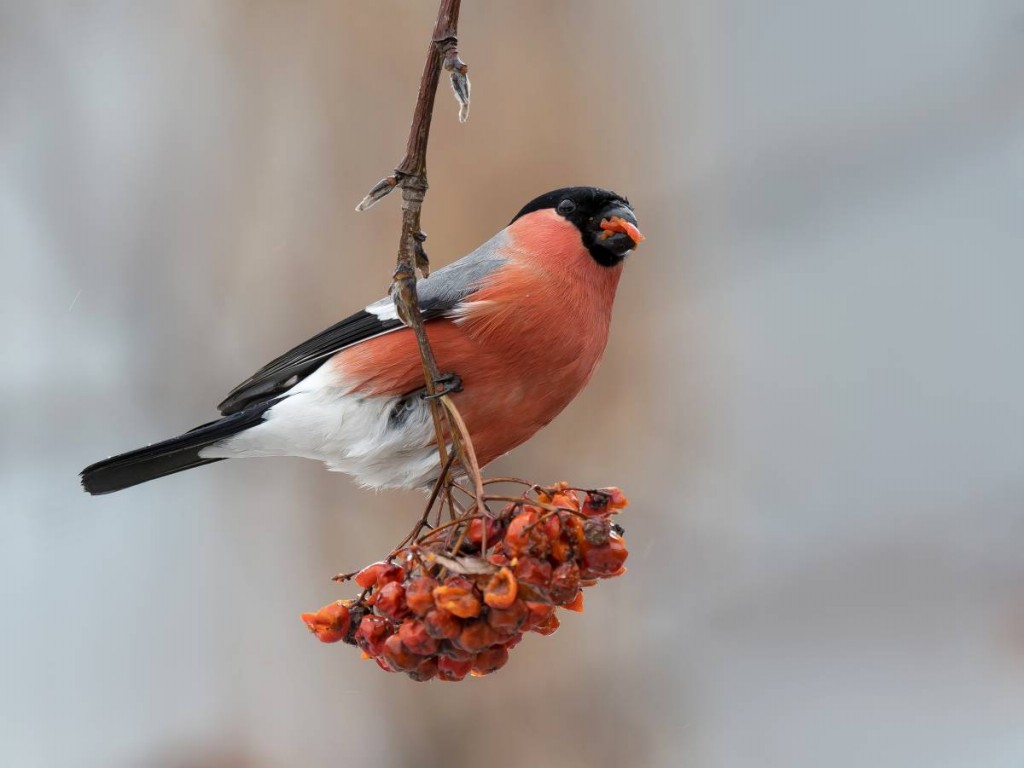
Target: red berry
{"x": 477, "y": 635}
{"x": 457, "y": 600}
{"x": 565, "y": 583}
{"x": 603, "y": 560}
{"x": 501, "y": 589}
{"x": 490, "y": 660}
{"x": 538, "y": 613}
{"x": 521, "y": 534}
{"x": 414, "y": 635}
{"x": 391, "y": 601}
{"x": 426, "y": 670}
{"x": 597, "y": 531}
{"x": 331, "y": 623}
{"x": 477, "y": 527}
{"x": 398, "y": 657}
{"x": 441, "y": 625}
{"x": 372, "y": 632}
{"x": 450, "y": 650}
{"x": 576, "y": 604}
{"x": 532, "y": 570}
{"x": 548, "y": 626}
{"x": 379, "y": 574}
{"x": 419, "y": 594}
{"x": 507, "y": 621}
{"x": 451, "y": 670}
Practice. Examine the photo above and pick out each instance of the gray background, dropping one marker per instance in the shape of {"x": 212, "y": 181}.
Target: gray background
{"x": 812, "y": 391}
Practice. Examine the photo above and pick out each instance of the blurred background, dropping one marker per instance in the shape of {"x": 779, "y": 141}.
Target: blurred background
{"x": 812, "y": 391}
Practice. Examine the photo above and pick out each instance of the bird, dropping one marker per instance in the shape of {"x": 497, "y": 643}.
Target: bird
{"x": 518, "y": 327}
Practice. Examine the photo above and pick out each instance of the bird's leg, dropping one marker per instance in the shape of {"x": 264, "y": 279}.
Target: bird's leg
{"x": 444, "y": 384}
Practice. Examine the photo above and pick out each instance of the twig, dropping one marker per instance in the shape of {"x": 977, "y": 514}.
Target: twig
{"x": 411, "y": 176}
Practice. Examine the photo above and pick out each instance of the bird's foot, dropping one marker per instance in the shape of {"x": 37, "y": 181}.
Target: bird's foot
{"x": 444, "y": 384}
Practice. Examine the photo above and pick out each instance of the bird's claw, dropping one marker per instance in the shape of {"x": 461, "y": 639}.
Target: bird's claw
{"x": 444, "y": 384}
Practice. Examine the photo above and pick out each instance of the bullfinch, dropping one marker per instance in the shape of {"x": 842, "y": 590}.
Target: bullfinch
{"x": 518, "y": 326}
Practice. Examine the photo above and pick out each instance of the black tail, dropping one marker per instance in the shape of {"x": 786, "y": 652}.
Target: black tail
{"x": 167, "y": 457}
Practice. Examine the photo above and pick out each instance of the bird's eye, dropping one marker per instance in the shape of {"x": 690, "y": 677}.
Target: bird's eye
{"x": 566, "y": 207}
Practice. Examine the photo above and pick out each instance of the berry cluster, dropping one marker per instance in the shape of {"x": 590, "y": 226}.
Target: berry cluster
{"x": 457, "y": 600}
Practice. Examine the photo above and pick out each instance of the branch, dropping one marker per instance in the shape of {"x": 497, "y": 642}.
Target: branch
{"x": 411, "y": 176}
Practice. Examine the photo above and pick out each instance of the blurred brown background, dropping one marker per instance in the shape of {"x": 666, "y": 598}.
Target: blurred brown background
{"x": 812, "y": 392}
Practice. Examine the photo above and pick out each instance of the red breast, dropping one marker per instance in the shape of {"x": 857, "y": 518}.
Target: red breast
{"x": 528, "y": 342}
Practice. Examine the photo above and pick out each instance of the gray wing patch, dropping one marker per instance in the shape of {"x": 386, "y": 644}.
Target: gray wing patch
{"x": 439, "y": 294}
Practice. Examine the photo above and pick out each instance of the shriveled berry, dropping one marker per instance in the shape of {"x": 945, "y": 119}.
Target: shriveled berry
{"x": 561, "y": 549}
{"x": 427, "y": 670}
{"x": 457, "y": 600}
{"x": 490, "y": 660}
{"x": 498, "y": 558}
{"x": 548, "y": 626}
{"x": 565, "y": 583}
{"x": 448, "y": 649}
{"x": 576, "y": 604}
{"x": 331, "y": 623}
{"x": 451, "y": 670}
{"x": 476, "y": 635}
{"x": 597, "y": 531}
{"x": 573, "y": 528}
{"x": 604, "y": 502}
{"x": 398, "y": 657}
{"x": 603, "y": 560}
{"x": 533, "y": 570}
{"x": 477, "y": 528}
{"x": 507, "y": 621}
{"x": 379, "y": 574}
{"x": 501, "y": 589}
{"x": 441, "y": 625}
{"x": 419, "y": 594}
{"x": 372, "y": 632}
{"x": 538, "y": 613}
{"x": 521, "y": 538}
{"x": 414, "y": 635}
{"x": 391, "y": 601}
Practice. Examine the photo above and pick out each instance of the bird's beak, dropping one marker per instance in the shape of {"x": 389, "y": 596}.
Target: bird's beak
{"x": 619, "y": 231}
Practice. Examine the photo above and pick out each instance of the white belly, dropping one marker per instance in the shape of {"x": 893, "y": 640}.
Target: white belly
{"x": 383, "y": 442}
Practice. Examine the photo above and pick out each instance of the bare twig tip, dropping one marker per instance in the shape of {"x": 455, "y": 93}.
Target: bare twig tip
{"x": 379, "y": 190}
{"x": 461, "y": 87}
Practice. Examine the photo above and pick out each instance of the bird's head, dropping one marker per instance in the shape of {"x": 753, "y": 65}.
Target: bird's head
{"x": 605, "y": 220}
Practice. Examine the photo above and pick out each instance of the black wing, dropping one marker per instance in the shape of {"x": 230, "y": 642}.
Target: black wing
{"x": 283, "y": 372}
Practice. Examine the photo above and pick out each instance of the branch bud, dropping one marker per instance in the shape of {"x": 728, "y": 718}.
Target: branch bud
{"x": 379, "y": 190}
{"x": 460, "y": 82}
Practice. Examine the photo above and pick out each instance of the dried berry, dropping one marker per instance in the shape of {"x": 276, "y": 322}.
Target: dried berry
{"x": 391, "y": 601}
{"x": 415, "y": 637}
{"x": 427, "y": 670}
{"x": 565, "y": 583}
{"x": 441, "y": 625}
{"x": 501, "y": 589}
{"x": 603, "y": 560}
{"x": 457, "y": 600}
{"x": 398, "y": 657}
{"x": 419, "y": 594}
{"x": 453, "y": 671}
{"x": 373, "y": 631}
{"x": 477, "y": 635}
{"x": 448, "y": 614}
{"x": 507, "y": 621}
{"x": 331, "y": 623}
{"x": 379, "y": 574}
{"x": 490, "y": 660}
{"x": 532, "y": 570}
{"x": 597, "y": 531}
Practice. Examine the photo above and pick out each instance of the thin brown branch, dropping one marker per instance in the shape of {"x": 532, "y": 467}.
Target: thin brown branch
{"x": 411, "y": 177}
